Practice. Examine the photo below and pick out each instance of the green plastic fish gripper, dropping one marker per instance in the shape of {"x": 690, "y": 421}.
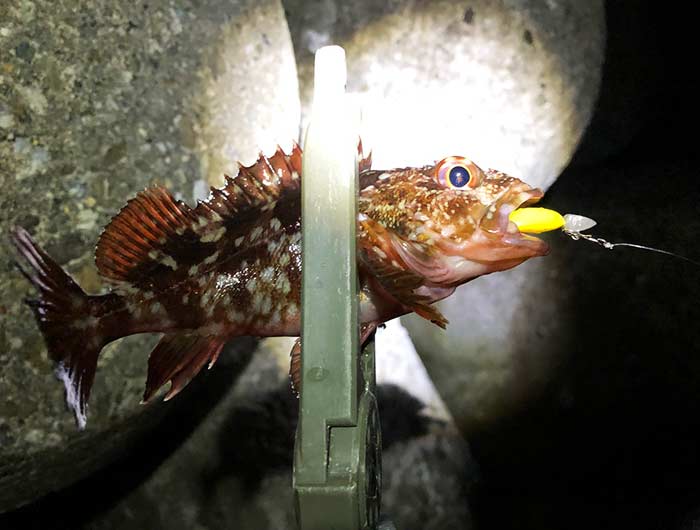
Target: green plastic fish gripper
{"x": 337, "y": 459}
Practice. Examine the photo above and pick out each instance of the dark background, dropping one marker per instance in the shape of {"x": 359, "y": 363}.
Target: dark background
{"x": 615, "y": 442}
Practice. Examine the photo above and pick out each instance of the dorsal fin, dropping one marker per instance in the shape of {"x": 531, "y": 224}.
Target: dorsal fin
{"x": 155, "y": 230}
{"x": 262, "y": 183}
{"x": 258, "y": 186}
{"x": 137, "y": 234}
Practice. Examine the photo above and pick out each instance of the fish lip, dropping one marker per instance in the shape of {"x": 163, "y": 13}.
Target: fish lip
{"x": 501, "y": 227}
{"x": 533, "y": 196}
{"x": 496, "y": 220}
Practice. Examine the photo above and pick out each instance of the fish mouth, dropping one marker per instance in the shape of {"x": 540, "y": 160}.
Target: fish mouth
{"x": 495, "y": 245}
{"x": 496, "y": 222}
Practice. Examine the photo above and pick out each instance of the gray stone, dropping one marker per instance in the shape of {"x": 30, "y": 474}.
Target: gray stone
{"x": 502, "y": 346}
{"x": 234, "y": 471}
{"x": 428, "y": 481}
{"x": 196, "y": 487}
{"x": 97, "y": 100}
{"x": 510, "y": 84}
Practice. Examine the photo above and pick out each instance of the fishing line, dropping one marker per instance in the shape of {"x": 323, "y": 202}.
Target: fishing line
{"x": 575, "y": 224}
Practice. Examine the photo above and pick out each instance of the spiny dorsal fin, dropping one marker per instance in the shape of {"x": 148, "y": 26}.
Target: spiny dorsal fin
{"x": 154, "y": 230}
{"x": 258, "y": 186}
{"x": 261, "y": 185}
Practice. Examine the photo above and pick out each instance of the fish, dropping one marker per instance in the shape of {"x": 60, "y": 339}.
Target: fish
{"x": 231, "y": 265}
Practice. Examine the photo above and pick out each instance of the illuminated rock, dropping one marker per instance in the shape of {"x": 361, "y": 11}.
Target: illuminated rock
{"x": 511, "y": 85}
{"x": 97, "y": 102}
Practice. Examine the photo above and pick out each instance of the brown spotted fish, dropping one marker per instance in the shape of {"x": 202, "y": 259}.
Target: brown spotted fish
{"x": 231, "y": 266}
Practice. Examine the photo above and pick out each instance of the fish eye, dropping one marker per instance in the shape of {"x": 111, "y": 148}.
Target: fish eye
{"x": 459, "y": 176}
{"x": 456, "y": 172}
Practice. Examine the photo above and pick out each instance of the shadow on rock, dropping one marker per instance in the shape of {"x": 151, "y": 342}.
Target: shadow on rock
{"x": 258, "y": 437}
{"x": 76, "y": 506}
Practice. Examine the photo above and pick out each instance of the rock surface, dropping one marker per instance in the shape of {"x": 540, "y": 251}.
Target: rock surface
{"x": 507, "y": 336}
{"x": 234, "y": 471}
{"x": 510, "y": 84}
{"x": 97, "y": 100}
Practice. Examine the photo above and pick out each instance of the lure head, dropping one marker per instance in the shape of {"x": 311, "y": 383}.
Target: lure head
{"x": 449, "y": 221}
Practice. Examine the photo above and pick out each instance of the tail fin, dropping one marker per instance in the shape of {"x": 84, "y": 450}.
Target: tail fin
{"x": 68, "y": 319}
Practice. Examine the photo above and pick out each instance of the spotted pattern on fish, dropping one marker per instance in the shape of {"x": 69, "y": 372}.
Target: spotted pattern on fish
{"x": 231, "y": 265}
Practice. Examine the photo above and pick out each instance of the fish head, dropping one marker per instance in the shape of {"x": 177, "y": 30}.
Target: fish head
{"x": 449, "y": 222}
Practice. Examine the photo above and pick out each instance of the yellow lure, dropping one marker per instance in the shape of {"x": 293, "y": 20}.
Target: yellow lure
{"x": 536, "y": 220}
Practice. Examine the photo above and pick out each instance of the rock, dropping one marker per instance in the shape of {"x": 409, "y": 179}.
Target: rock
{"x": 428, "y": 481}
{"x": 619, "y": 415}
{"x": 586, "y": 332}
{"x": 510, "y": 84}
{"x": 504, "y": 342}
{"x": 96, "y": 102}
{"x": 397, "y": 363}
{"x": 235, "y": 470}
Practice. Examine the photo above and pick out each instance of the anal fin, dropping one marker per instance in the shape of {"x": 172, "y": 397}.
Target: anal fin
{"x": 178, "y": 357}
